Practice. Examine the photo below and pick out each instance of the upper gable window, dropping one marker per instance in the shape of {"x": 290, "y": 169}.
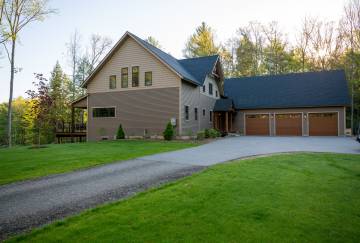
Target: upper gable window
{"x": 148, "y": 78}
{"x": 204, "y": 88}
{"x": 124, "y": 77}
{"x": 210, "y": 89}
{"x": 112, "y": 82}
{"x": 135, "y": 76}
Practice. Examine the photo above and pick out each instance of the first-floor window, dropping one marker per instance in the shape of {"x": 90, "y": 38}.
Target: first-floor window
{"x": 112, "y": 82}
{"x": 210, "y": 113}
{"x": 186, "y": 112}
{"x": 196, "y": 113}
{"x": 103, "y": 112}
{"x": 148, "y": 78}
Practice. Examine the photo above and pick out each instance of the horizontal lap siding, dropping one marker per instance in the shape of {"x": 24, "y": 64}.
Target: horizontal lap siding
{"x": 136, "y": 110}
{"x": 130, "y": 54}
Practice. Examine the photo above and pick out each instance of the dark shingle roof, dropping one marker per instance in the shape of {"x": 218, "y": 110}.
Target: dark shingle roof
{"x": 223, "y": 105}
{"x": 193, "y": 69}
{"x": 326, "y": 88}
{"x": 199, "y": 67}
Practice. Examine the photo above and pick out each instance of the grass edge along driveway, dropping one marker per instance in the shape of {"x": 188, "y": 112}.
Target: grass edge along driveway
{"x": 23, "y": 163}
{"x": 305, "y": 197}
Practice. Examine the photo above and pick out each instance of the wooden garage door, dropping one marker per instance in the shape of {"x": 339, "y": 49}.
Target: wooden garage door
{"x": 323, "y": 124}
{"x": 257, "y": 124}
{"x": 288, "y": 124}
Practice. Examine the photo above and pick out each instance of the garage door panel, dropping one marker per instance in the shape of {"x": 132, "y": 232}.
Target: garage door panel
{"x": 257, "y": 124}
{"x": 323, "y": 124}
{"x": 288, "y": 124}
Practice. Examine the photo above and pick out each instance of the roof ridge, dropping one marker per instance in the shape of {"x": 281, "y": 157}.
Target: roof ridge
{"x": 286, "y": 74}
{"x": 198, "y": 57}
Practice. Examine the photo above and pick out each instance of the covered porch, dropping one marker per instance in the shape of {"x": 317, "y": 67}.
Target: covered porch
{"x": 223, "y": 115}
{"x": 75, "y": 131}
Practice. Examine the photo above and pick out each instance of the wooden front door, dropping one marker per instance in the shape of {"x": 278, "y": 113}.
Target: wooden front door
{"x": 257, "y": 124}
{"x": 288, "y": 124}
{"x": 323, "y": 124}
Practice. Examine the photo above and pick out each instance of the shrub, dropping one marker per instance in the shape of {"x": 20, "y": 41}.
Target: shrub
{"x": 169, "y": 132}
{"x": 213, "y": 133}
{"x": 120, "y": 133}
{"x": 200, "y": 135}
{"x": 206, "y": 133}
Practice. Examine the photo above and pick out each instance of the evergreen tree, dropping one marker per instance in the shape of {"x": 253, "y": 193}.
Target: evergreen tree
{"x": 201, "y": 43}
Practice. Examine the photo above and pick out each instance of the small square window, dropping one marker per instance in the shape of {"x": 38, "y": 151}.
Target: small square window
{"x": 196, "y": 113}
{"x": 148, "y": 78}
{"x": 112, "y": 82}
{"x": 186, "y": 112}
{"x": 135, "y": 76}
{"x": 124, "y": 77}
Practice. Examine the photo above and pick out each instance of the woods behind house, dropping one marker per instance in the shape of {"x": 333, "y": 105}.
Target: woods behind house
{"x": 255, "y": 49}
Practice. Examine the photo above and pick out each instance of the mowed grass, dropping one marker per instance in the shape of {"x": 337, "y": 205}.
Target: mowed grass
{"x": 283, "y": 198}
{"x": 20, "y": 163}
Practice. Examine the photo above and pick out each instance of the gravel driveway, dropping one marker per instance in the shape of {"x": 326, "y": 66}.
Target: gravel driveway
{"x": 33, "y": 203}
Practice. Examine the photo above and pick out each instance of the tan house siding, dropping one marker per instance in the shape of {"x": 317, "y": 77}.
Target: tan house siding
{"x": 130, "y": 54}
{"x": 136, "y": 110}
{"x": 239, "y": 126}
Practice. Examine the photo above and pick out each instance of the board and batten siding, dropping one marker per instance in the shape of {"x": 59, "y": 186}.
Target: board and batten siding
{"x": 130, "y": 54}
{"x": 239, "y": 126}
{"x": 138, "y": 112}
{"x": 193, "y": 97}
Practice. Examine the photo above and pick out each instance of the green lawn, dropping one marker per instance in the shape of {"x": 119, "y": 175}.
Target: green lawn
{"x": 283, "y": 198}
{"x": 22, "y": 163}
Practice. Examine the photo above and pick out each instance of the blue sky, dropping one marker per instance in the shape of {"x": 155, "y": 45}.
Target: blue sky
{"x": 170, "y": 22}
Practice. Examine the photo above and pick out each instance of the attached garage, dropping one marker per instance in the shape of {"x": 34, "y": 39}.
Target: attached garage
{"x": 257, "y": 124}
{"x": 323, "y": 124}
{"x": 288, "y": 124}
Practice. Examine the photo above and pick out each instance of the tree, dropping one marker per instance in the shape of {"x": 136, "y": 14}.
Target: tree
{"x": 16, "y": 15}
{"x": 303, "y": 42}
{"x": 120, "y": 134}
{"x": 153, "y": 41}
{"x": 98, "y": 46}
{"x": 276, "y": 57}
{"x": 201, "y": 43}
{"x": 39, "y": 114}
{"x": 59, "y": 91}
{"x": 74, "y": 52}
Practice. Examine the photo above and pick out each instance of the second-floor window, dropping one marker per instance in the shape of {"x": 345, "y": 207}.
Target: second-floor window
{"x": 135, "y": 76}
{"x": 204, "y": 88}
{"x": 186, "y": 112}
{"x": 196, "y": 113}
{"x": 124, "y": 77}
{"x": 112, "y": 82}
{"x": 210, "y": 89}
{"x": 148, "y": 78}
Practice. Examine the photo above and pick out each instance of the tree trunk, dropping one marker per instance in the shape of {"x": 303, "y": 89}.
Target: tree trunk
{"x": 12, "y": 72}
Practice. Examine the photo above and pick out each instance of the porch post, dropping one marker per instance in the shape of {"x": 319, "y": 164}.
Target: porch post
{"x": 227, "y": 121}
{"x": 72, "y": 123}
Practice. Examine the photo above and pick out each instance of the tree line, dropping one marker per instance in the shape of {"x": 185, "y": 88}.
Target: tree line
{"x": 256, "y": 49}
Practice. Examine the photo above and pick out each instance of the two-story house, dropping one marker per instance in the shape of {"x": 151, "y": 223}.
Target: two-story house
{"x": 143, "y": 88}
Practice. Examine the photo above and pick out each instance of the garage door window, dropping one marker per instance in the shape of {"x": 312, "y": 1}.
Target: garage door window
{"x": 260, "y": 116}
{"x": 286, "y": 116}
{"x": 324, "y": 115}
